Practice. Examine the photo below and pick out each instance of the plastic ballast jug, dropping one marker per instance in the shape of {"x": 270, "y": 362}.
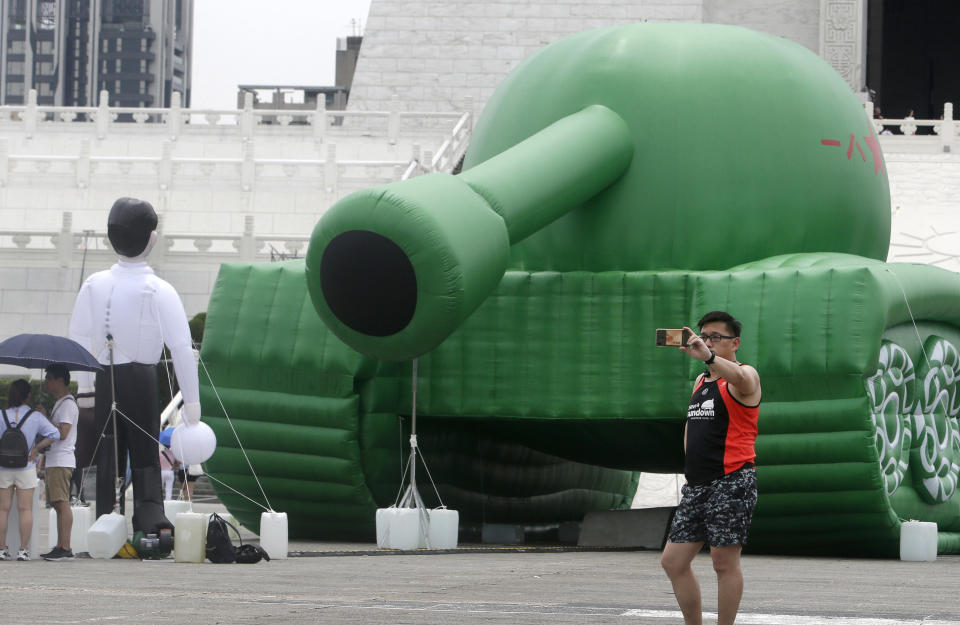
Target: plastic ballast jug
{"x": 444, "y": 525}
{"x": 107, "y": 535}
{"x": 273, "y": 534}
{"x": 189, "y": 537}
{"x": 405, "y": 529}
{"x": 384, "y": 519}
{"x": 82, "y": 519}
{"x": 918, "y": 541}
{"x": 173, "y": 507}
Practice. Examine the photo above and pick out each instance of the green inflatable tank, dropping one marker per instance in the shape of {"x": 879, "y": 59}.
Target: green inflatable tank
{"x": 620, "y": 180}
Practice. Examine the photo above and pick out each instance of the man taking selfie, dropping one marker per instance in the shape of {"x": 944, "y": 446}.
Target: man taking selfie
{"x": 721, "y": 490}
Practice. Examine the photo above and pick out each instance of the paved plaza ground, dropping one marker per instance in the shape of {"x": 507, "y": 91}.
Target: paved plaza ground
{"x": 543, "y": 587}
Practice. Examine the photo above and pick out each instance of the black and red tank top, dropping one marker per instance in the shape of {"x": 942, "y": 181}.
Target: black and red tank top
{"x": 720, "y": 433}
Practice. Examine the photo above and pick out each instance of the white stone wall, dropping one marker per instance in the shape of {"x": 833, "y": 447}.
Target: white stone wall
{"x": 797, "y": 20}
{"x": 40, "y": 298}
{"x": 451, "y": 55}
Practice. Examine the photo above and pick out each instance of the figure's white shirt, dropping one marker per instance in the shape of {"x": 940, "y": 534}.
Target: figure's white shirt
{"x": 141, "y": 312}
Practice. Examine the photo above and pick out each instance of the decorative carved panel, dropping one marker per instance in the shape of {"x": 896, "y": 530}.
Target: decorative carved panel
{"x": 843, "y": 38}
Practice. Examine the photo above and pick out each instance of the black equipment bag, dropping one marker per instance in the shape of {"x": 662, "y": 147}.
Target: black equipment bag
{"x": 251, "y": 554}
{"x": 14, "y": 451}
{"x": 220, "y": 549}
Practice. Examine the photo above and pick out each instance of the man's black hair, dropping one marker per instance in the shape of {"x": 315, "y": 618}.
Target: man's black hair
{"x": 60, "y": 372}
{"x": 733, "y": 326}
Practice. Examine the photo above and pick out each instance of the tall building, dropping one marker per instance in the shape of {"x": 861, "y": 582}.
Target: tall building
{"x": 69, "y": 50}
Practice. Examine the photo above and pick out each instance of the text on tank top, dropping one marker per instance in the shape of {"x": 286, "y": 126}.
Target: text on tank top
{"x": 720, "y": 433}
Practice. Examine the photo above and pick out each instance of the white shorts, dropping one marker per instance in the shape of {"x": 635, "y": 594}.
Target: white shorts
{"x": 21, "y": 478}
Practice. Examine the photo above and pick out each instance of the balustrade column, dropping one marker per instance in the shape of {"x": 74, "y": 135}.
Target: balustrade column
{"x": 320, "y": 119}
{"x": 30, "y": 114}
{"x": 65, "y": 240}
{"x": 948, "y": 130}
{"x": 166, "y": 165}
{"x": 175, "y": 116}
{"x": 246, "y": 117}
{"x": 83, "y": 165}
{"x": 247, "y": 167}
{"x": 330, "y": 169}
{"x": 248, "y": 243}
{"x": 103, "y": 115}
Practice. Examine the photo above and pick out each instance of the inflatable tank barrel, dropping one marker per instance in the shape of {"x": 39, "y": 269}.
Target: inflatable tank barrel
{"x": 393, "y": 270}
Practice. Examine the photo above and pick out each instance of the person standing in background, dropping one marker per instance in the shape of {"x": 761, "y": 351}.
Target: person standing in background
{"x": 23, "y": 479}
{"x": 60, "y": 462}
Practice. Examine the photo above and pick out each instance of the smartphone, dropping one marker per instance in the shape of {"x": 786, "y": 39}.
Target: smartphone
{"x": 673, "y": 337}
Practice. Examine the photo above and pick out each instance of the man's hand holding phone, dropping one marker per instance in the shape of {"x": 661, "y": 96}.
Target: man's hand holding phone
{"x": 695, "y": 347}
{"x": 684, "y": 338}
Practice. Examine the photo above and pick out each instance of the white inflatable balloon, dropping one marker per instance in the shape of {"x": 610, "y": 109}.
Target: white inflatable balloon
{"x": 193, "y": 444}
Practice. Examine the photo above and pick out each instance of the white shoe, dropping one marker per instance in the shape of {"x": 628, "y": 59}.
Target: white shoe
{"x": 23, "y": 555}
{"x": 4, "y": 554}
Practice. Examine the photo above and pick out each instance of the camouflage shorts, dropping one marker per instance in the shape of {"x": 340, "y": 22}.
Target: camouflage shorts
{"x": 718, "y": 513}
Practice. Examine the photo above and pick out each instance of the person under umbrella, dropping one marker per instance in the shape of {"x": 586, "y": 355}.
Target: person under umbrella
{"x": 61, "y": 462}
{"x": 22, "y": 478}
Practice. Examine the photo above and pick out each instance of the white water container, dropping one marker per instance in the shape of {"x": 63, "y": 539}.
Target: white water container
{"x": 173, "y": 507}
{"x": 273, "y": 534}
{"x": 918, "y": 541}
{"x": 405, "y": 529}
{"x": 107, "y": 535}
{"x": 384, "y": 519}
{"x": 82, "y": 519}
{"x": 444, "y": 525}
{"x": 189, "y": 537}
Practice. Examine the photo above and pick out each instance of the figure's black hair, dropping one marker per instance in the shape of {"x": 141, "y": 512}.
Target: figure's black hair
{"x": 129, "y": 226}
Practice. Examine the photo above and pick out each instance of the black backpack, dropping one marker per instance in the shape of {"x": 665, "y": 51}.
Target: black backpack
{"x": 220, "y": 549}
{"x": 14, "y": 451}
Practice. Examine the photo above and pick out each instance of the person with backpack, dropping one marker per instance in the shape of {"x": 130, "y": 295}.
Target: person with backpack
{"x": 61, "y": 462}
{"x": 20, "y": 427}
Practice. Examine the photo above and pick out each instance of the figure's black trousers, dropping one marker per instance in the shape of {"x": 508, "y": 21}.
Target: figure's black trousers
{"x": 138, "y": 426}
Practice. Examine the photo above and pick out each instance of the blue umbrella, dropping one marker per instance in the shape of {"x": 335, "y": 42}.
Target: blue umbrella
{"x": 36, "y": 351}
{"x": 166, "y": 435}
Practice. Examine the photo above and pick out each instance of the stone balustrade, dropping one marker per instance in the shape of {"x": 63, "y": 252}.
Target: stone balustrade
{"x": 66, "y": 246}
{"x": 331, "y": 156}
{"x": 943, "y": 138}
{"x": 176, "y": 121}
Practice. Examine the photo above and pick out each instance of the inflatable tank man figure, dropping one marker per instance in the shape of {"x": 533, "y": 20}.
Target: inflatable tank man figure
{"x": 124, "y": 316}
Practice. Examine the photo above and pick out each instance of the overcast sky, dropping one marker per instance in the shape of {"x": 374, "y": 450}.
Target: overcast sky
{"x": 289, "y": 42}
